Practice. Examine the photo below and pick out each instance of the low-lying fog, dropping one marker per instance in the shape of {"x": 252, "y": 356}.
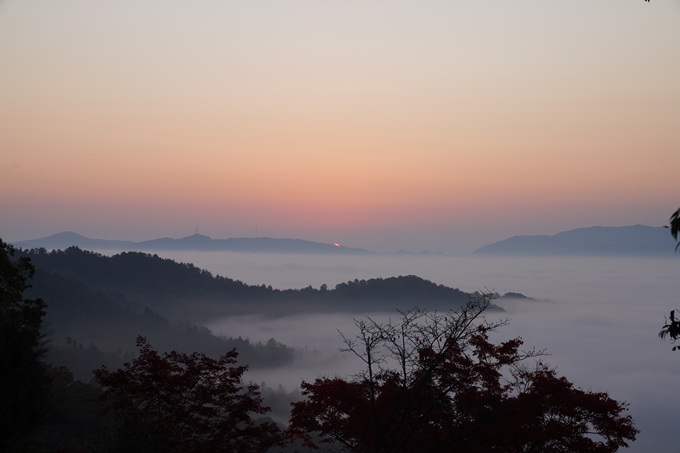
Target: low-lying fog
{"x": 597, "y": 317}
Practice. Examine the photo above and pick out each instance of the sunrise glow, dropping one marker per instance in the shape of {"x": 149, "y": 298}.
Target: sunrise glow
{"x": 381, "y": 124}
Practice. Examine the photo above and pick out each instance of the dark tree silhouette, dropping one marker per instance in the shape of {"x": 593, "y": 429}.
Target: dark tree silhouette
{"x": 671, "y": 328}
{"x": 23, "y": 377}
{"x": 674, "y": 225}
{"x": 185, "y": 403}
{"x": 435, "y": 383}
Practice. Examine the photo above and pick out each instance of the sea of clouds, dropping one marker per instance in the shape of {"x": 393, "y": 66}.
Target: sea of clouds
{"x": 597, "y": 317}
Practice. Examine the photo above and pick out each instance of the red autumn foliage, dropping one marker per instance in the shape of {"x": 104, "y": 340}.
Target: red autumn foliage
{"x": 185, "y": 403}
{"x": 435, "y": 383}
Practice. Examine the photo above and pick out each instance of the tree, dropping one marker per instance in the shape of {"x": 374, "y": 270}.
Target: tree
{"x": 674, "y": 225}
{"x": 671, "y": 329}
{"x": 435, "y": 383}
{"x": 672, "y": 326}
{"x": 184, "y": 403}
{"x": 23, "y": 378}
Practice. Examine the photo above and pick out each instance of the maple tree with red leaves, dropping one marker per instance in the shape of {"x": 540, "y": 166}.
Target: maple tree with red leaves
{"x": 177, "y": 402}
{"x": 435, "y": 383}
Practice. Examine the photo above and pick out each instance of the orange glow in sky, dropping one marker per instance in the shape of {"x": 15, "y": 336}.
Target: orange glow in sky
{"x": 442, "y": 125}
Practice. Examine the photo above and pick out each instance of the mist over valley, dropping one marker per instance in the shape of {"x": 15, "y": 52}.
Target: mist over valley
{"x": 596, "y": 316}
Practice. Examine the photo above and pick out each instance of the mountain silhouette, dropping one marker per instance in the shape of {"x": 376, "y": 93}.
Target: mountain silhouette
{"x": 635, "y": 240}
{"x": 195, "y": 242}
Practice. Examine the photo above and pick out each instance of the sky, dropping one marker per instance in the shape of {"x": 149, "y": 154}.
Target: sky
{"x": 387, "y": 125}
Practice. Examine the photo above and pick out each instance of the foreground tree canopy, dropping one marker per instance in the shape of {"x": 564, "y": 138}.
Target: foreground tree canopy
{"x": 23, "y": 378}
{"x": 435, "y": 383}
{"x": 185, "y": 403}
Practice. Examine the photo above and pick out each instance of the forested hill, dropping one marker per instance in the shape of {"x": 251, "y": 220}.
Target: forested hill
{"x": 168, "y": 286}
{"x": 135, "y": 273}
{"x": 97, "y": 305}
{"x": 87, "y": 327}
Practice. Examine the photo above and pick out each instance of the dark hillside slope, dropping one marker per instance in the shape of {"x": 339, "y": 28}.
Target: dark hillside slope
{"x": 88, "y": 328}
{"x": 136, "y": 272}
{"x": 409, "y": 291}
{"x": 185, "y": 292}
{"x": 97, "y": 305}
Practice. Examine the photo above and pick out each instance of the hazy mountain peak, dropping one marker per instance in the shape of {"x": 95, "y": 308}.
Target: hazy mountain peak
{"x": 633, "y": 240}
{"x": 195, "y": 242}
{"x": 67, "y": 234}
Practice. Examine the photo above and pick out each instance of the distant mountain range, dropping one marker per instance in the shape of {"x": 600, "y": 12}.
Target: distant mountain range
{"x": 635, "y": 240}
{"x": 196, "y": 242}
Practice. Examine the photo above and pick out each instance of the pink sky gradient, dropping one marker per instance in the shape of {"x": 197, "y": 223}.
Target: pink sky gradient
{"x": 440, "y": 125}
